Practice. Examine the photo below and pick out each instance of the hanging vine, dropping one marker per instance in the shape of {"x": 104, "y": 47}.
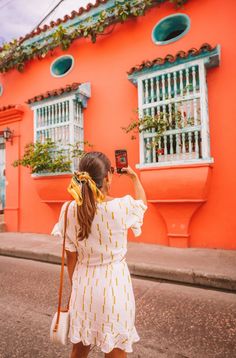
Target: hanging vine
{"x": 15, "y": 54}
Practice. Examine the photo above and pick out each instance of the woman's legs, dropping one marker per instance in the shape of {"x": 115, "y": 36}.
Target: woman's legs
{"x": 116, "y": 353}
{"x": 80, "y": 351}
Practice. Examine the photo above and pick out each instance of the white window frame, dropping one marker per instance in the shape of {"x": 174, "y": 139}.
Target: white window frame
{"x": 205, "y": 144}
{"x": 74, "y": 112}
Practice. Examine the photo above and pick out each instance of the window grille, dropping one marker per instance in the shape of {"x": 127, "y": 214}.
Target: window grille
{"x": 179, "y": 95}
{"x": 60, "y": 120}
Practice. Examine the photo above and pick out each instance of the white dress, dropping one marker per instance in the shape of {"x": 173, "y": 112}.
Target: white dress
{"x": 102, "y": 304}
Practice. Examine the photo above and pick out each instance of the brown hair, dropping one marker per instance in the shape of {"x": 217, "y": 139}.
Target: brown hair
{"x": 97, "y": 165}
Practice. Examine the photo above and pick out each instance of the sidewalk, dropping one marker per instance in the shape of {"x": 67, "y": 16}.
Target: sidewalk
{"x": 207, "y": 267}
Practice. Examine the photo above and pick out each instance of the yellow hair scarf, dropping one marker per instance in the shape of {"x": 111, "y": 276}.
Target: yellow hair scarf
{"x": 76, "y": 184}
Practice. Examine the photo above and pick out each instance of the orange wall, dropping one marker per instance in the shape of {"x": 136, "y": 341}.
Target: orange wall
{"x": 113, "y": 101}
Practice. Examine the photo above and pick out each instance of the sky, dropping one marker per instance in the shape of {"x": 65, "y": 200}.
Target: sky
{"x": 19, "y": 17}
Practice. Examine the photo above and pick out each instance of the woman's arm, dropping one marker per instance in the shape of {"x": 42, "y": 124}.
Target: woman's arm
{"x": 139, "y": 192}
{"x": 71, "y": 262}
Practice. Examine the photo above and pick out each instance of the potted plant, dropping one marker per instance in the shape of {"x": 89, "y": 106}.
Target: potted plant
{"x": 51, "y": 167}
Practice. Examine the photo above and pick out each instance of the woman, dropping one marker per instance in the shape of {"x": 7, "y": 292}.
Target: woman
{"x": 102, "y": 305}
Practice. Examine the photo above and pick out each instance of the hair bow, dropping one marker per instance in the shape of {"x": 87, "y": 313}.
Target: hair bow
{"x": 75, "y": 187}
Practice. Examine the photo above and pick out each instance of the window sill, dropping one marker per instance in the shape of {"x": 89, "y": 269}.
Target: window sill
{"x": 50, "y": 175}
{"x": 176, "y": 164}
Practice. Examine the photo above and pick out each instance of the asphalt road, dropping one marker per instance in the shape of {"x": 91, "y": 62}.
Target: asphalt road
{"x": 173, "y": 321}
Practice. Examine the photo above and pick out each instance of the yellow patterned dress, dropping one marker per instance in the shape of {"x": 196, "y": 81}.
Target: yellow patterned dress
{"x": 102, "y": 304}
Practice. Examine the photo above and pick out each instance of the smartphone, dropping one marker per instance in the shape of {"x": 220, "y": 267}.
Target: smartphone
{"x": 121, "y": 160}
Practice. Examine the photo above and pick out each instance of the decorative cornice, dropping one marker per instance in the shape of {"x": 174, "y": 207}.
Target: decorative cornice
{"x": 5, "y": 108}
{"x": 79, "y": 91}
{"x": 10, "y": 113}
{"x": 54, "y": 93}
{"x": 205, "y": 51}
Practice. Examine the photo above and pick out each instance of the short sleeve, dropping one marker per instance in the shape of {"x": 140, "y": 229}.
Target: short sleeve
{"x": 58, "y": 230}
{"x": 135, "y": 213}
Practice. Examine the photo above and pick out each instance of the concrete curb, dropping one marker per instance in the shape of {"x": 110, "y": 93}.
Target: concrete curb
{"x": 142, "y": 270}
{"x": 31, "y": 255}
{"x": 183, "y": 276}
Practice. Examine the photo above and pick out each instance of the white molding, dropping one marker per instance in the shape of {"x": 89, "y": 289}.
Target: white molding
{"x": 35, "y": 126}
{"x": 174, "y": 164}
{"x": 176, "y": 38}
{"x": 140, "y": 109}
{"x": 170, "y": 69}
{"x": 85, "y": 89}
{"x": 1, "y": 89}
{"x": 58, "y": 58}
{"x": 71, "y": 122}
{"x": 148, "y": 157}
{"x": 204, "y": 112}
{"x": 50, "y": 101}
{"x": 41, "y": 175}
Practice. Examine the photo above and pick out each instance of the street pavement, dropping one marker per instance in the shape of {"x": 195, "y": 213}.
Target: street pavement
{"x": 173, "y": 320}
{"x": 206, "y": 267}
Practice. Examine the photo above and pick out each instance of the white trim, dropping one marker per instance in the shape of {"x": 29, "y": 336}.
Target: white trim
{"x": 204, "y": 112}
{"x": 171, "y": 69}
{"x": 1, "y": 89}
{"x": 176, "y": 38}
{"x": 173, "y": 164}
{"x": 71, "y": 122}
{"x": 50, "y": 101}
{"x": 56, "y": 119}
{"x": 148, "y": 103}
{"x": 170, "y": 101}
{"x": 57, "y": 174}
{"x": 140, "y": 106}
{"x": 35, "y": 126}
{"x": 58, "y": 58}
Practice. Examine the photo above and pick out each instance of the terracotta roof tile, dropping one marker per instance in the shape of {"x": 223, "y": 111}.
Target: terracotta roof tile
{"x": 57, "y": 22}
{"x": 172, "y": 58}
{"x": 54, "y": 93}
{"x": 9, "y": 106}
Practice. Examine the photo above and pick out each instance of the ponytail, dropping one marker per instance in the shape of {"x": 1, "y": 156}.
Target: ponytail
{"x": 86, "y": 212}
{"x": 85, "y": 188}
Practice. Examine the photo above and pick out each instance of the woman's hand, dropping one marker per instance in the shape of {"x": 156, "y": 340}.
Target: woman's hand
{"x": 130, "y": 172}
{"x": 139, "y": 192}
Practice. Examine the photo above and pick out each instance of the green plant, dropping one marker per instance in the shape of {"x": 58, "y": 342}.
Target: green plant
{"x": 15, "y": 53}
{"x": 49, "y": 157}
{"x": 159, "y": 123}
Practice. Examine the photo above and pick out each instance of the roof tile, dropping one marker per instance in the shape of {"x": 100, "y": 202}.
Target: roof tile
{"x": 57, "y": 22}
{"x": 9, "y": 106}
{"x": 172, "y": 58}
{"x": 54, "y": 93}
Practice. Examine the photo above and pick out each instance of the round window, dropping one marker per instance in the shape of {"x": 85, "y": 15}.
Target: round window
{"x": 170, "y": 29}
{"x": 1, "y": 89}
{"x": 62, "y": 66}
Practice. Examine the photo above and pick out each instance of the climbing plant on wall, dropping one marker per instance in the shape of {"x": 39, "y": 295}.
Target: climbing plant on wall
{"x": 15, "y": 54}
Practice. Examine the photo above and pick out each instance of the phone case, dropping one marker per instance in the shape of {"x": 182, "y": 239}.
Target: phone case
{"x": 121, "y": 159}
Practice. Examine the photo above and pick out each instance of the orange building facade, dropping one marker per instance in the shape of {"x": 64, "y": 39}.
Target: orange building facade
{"x": 159, "y": 64}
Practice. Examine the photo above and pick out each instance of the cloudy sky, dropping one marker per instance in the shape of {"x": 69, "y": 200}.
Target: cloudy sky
{"x": 19, "y": 17}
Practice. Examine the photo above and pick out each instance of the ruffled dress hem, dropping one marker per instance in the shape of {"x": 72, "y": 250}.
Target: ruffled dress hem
{"x": 107, "y": 342}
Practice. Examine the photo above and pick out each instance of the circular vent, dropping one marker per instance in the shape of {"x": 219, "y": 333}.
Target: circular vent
{"x": 170, "y": 29}
{"x": 62, "y": 66}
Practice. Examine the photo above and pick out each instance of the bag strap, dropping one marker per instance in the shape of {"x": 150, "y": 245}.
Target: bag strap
{"x": 62, "y": 268}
